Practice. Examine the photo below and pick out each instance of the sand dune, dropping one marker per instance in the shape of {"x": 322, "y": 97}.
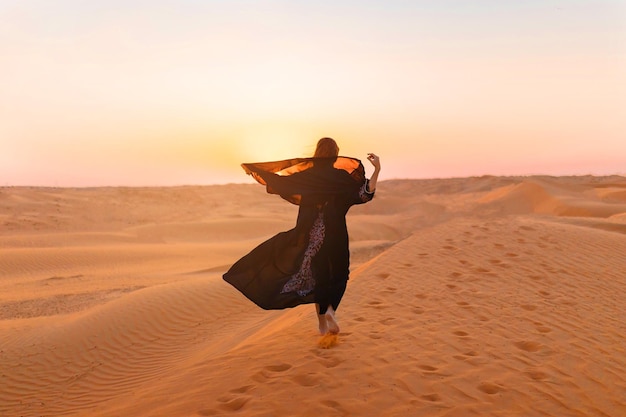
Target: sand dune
{"x": 470, "y": 296}
{"x": 537, "y": 197}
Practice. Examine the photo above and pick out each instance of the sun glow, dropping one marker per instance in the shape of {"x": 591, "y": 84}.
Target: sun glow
{"x": 270, "y": 143}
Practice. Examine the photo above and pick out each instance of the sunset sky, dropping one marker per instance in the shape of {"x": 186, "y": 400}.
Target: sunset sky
{"x": 181, "y": 92}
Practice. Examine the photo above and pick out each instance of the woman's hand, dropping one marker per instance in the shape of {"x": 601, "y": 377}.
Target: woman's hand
{"x": 374, "y": 159}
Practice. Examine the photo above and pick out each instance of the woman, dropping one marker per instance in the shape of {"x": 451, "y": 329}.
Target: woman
{"x": 309, "y": 263}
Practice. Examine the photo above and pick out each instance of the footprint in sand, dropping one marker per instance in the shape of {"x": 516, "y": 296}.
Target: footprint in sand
{"x": 431, "y": 397}
{"x": 307, "y": 380}
{"x": 233, "y": 404}
{"x": 377, "y": 304}
{"x": 267, "y": 372}
{"x": 242, "y": 390}
{"x": 467, "y": 356}
{"x": 544, "y": 329}
{"x": 278, "y": 368}
{"x": 229, "y": 402}
{"x": 537, "y": 375}
{"x": 490, "y": 388}
{"x": 334, "y": 405}
{"x": 428, "y": 368}
{"x": 332, "y": 362}
{"x": 528, "y": 346}
{"x": 383, "y": 275}
{"x": 460, "y": 333}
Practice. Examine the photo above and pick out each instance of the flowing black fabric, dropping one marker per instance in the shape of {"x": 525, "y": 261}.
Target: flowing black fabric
{"x": 309, "y": 263}
{"x": 280, "y": 176}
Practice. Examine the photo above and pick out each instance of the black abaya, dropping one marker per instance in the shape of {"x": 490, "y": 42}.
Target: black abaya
{"x": 309, "y": 263}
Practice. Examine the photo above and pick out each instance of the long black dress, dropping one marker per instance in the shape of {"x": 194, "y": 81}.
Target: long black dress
{"x": 309, "y": 263}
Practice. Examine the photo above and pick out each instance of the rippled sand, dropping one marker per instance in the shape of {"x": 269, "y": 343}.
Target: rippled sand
{"x": 468, "y": 297}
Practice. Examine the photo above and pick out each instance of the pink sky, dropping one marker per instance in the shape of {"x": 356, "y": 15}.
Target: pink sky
{"x": 182, "y": 92}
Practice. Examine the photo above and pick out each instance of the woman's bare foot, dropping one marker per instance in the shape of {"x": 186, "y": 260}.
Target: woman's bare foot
{"x": 331, "y": 322}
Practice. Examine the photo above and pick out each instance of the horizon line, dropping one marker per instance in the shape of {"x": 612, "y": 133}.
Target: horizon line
{"x": 621, "y": 175}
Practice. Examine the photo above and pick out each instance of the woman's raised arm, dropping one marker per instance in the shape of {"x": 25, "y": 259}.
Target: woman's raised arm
{"x": 375, "y": 160}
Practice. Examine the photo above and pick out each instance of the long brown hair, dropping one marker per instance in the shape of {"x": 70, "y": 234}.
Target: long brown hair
{"x": 326, "y": 148}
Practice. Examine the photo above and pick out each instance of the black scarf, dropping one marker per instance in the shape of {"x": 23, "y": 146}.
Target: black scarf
{"x": 295, "y": 178}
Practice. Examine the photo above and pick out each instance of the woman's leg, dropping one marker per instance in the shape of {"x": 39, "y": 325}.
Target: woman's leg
{"x": 326, "y": 300}
{"x": 337, "y": 290}
{"x": 331, "y": 321}
{"x": 326, "y": 308}
{"x": 327, "y": 321}
{"x": 323, "y": 324}
{"x": 328, "y": 292}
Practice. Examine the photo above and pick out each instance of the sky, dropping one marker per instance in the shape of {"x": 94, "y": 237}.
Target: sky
{"x": 149, "y": 93}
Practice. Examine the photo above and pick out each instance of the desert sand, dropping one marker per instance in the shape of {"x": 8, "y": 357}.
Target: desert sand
{"x": 486, "y": 296}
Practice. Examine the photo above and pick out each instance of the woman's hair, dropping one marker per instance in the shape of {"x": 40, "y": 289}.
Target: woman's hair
{"x": 326, "y": 148}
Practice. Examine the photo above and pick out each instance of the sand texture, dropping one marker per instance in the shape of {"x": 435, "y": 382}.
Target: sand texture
{"x": 490, "y": 296}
